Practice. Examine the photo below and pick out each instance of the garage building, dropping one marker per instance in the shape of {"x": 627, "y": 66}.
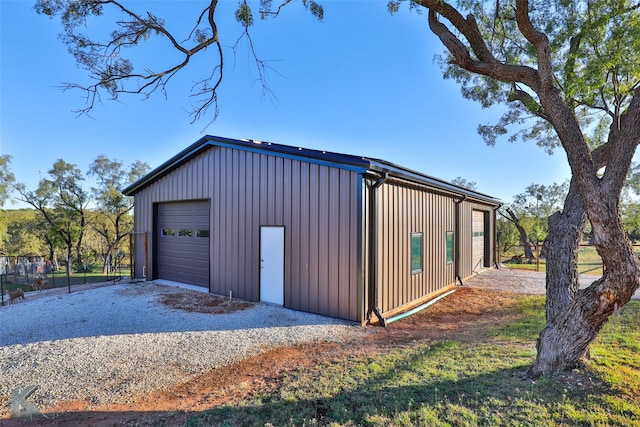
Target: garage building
{"x": 335, "y": 234}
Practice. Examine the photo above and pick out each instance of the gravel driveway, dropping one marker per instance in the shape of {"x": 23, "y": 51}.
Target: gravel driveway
{"x": 107, "y": 344}
{"x": 526, "y": 282}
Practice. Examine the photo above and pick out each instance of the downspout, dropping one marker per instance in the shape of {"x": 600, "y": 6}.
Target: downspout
{"x": 458, "y": 238}
{"x": 373, "y": 248}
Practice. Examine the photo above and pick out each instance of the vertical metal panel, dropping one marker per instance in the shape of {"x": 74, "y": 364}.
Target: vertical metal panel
{"x": 334, "y": 242}
{"x": 256, "y": 190}
{"x": 346, "y": 254}
{"x": 293, "y": 292}
{"x": 323, "y": 241}
{"x": 314, "y": 238}
{"x": 318, "y": 205}
{"x": 405, "y": 209}
{"x": 287, "y": 216}
{"x": 304, "y": 225}
{"x": 243, "y": 217}
{"x": 366, "y": 300}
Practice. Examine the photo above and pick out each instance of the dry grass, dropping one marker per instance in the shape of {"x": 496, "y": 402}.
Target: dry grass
{"x": 203, "y": 303}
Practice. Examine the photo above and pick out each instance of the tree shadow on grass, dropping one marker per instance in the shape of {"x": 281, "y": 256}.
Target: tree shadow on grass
{"x": 403, "y": 389}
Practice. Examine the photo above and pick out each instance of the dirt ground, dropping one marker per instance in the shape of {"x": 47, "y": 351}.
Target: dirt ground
{"x": 463, "y": 314}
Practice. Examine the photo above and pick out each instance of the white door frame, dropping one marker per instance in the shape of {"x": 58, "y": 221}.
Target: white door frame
{"x": 272, "y": 264}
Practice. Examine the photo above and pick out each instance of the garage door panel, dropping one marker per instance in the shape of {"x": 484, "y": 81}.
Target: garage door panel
{"x": 478, "y": 238}
{"x": 183, "y": 244}
{"x": 183, "y": 260}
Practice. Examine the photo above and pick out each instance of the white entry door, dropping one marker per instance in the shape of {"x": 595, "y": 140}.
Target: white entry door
{"x": 272, "y": 265}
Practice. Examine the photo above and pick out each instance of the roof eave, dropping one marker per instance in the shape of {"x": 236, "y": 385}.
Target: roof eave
{"x": 355, "y": 163}
{"x": 380, "y": 166}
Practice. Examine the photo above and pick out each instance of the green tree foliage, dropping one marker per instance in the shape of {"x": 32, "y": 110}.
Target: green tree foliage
{"x": 115, "y": 221}
{"x": 63, "y": 203}
{"x": 6, "y": 178}
{"x": 507, "y": 235}
{"x": 631, "y": 220}
{"x": 22, "y": 233}
{"x": 535, "y": 205}
{"x": 64, "y": 221}
{"x": 595, "y": 51}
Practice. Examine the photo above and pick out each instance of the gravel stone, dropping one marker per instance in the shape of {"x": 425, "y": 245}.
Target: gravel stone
{"x": 109, "y": 344}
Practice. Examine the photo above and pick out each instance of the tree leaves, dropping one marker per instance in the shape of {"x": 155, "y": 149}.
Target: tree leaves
{"x": 244, "y": 15}
{"x": 595, "y": 52}
{"x": 6, "y": 178}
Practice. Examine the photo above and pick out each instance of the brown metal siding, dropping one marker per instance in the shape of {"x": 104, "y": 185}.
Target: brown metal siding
{"x": 403, "y": 210}
{"x": 318, "y": 205}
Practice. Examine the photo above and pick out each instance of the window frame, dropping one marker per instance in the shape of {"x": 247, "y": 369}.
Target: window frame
{"x": 450, "y": 247}
{"x": 168, "y": 232}
{"x": 202, "y": 234}
{"x": 413, "y": 267}
{"x": 185, "y": 232}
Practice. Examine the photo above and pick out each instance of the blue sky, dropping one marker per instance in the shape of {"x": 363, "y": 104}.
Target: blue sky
{"x": 361, "y": 82}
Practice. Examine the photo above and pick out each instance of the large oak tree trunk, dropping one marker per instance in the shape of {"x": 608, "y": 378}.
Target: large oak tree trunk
{"x": 562, "y": 246}
{"x": 569, "y": 331}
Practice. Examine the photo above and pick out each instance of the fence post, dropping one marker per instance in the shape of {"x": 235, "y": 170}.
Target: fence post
{"x": 68, "y": 277}
{"x": 130, "y": 256}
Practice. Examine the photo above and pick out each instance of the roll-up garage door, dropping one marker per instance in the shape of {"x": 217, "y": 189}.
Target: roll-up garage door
{"x": 183, "y": 242}
{"x": 478, "y": 227}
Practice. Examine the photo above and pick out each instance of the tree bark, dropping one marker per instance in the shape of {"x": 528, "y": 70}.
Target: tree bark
{"x": 109, "y": 254}
{"x": 566, "y": 338}
{"x": 563, "y": 244}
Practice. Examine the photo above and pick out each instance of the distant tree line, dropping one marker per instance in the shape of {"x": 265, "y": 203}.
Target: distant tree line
{"x": 68, "y": 221}
{"x": 524, "y": 221}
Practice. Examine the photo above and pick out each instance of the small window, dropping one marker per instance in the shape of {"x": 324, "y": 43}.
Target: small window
{"x": 416, "y": 253}
{"x": 185, "y": 232}
{"x": 449, "y": 247}
{"x": 168, "y": 232}
{"x": 202, "y": 233}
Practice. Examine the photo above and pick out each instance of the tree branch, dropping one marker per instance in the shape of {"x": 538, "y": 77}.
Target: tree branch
{"x": 484, "y": 62}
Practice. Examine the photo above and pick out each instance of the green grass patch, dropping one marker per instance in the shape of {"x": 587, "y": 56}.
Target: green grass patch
{"x": 531, "y": 321}
{"x": 589, "y": 262}
{"x": 459, "y": 383}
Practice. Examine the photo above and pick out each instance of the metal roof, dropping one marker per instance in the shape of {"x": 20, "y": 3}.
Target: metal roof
{"x": 358, "y": 164}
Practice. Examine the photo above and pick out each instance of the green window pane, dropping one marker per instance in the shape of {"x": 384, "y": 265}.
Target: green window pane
{"x": 449, "y": 247}
{"x": 416, "y": 252}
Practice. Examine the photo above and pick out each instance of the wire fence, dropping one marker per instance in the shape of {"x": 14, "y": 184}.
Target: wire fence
{"x": 36, "y": 273}
{"x": 518, "y": 257}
